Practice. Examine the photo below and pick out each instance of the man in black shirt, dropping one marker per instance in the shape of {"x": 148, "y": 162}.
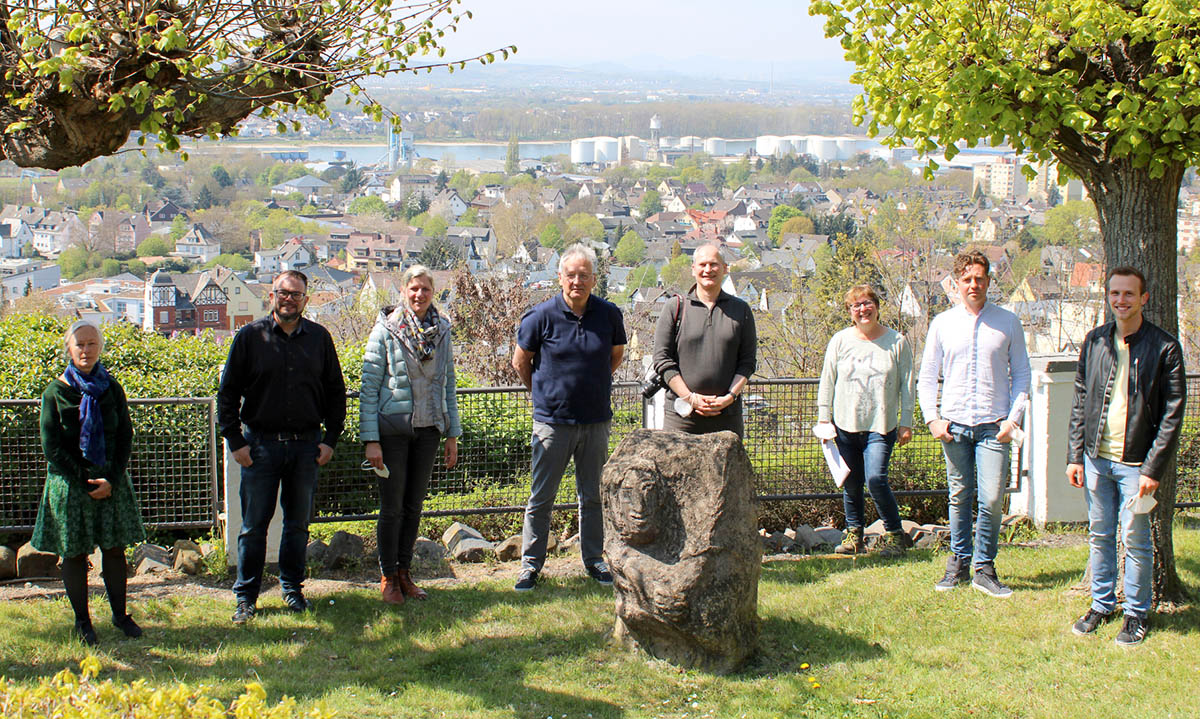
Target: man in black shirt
{"x": 282, "y": 382}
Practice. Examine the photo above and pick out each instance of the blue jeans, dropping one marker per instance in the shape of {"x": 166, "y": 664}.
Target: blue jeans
{"x": 976, "y": 467}
{"x": 1109, "y": 486}
{"x": 553, "y": 446}
{"x": 867, "y": 454}
{"x": 283, "y": 472}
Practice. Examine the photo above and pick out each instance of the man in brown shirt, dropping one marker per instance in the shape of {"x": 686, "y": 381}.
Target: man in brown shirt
{"x": 705, "y": 349}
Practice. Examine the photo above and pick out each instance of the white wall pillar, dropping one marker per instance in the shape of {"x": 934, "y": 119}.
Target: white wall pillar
{"x": 1045, "y": 495}
{"x": 233, "y": 514}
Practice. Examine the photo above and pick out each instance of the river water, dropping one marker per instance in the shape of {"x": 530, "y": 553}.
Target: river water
{"x": 461, "y": 152}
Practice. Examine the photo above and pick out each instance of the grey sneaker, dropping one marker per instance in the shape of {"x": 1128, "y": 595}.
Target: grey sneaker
{"x": 599, "y": 572}
{"x": 1133, "y": 631}
{"x": 852, "y": 542}
{"x": 1089, "y": 622}
{"x": 526, "y": 581}
{"x": 891, "y": 544}
{"x": 987, "y": 582}
{"x": 957, "y": 571}
{"x": 245, "y": 612}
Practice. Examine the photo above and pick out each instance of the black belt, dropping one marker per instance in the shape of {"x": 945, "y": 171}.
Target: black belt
{"x": 311, "y": 435}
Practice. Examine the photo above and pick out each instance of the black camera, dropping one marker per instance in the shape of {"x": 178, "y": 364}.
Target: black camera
{"x": 652, "y": 383}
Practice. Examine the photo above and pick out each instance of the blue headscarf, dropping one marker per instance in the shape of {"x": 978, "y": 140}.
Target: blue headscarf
{"x": 91, "y": 424}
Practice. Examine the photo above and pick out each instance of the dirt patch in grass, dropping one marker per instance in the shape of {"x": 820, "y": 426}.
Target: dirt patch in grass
{"x": 155, "y": 586}
{"x": 432, "y": 577}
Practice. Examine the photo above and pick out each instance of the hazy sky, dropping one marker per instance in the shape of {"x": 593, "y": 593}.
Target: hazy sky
{"x": 750, "y": 36}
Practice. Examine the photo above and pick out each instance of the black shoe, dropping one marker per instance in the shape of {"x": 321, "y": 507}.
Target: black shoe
{"x": 1090, "y": 622}
{"x": 527, "y": 580}
{"x": 296, "y": 602}
{"x": 987, "y": 582}
{"x": 957, "y": 571}
{"x": 128, "y": 626}
{"x": 1133, "y": 631}
{"x": 245, "y": 612}
{"x": 599, "y": 572}
{"x": 85, "y": 632}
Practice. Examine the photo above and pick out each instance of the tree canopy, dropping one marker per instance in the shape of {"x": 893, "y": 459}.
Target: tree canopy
{"x": 1086, "y": 82}
{"x": 631, "y": 249}
{"x": 82, "y": 75}
{"x": 1109, "y": 88}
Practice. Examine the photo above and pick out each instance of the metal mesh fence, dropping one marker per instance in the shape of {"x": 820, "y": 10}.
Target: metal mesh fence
{"x": 1188, "y": 458}
{"x": 176, "y": 471}
{"x": 173, "y": 466}
{"x": 493, "y": 470}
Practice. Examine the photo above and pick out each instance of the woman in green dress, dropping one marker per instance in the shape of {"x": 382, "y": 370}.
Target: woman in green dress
{"x": 88, "y": 500}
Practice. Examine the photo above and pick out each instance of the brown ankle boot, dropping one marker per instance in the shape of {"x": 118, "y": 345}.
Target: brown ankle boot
{"x": 391, "y": 590}
{"x": 410, "y": 589}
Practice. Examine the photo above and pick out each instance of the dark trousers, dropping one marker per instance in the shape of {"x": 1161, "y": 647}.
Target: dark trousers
{"x": 731, "y": 419}
{"x": 283, "y": 471}
{"x": 402, "y": 495}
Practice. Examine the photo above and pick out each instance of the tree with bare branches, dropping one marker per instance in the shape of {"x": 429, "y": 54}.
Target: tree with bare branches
{"x": 485, "y": 314}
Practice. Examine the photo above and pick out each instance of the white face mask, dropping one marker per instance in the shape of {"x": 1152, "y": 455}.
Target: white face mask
{"x": 385, "y": 473}
{"x": 1141, "y": 505}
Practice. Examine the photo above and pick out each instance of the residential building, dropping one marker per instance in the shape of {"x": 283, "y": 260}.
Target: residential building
{"x": 14, "y": 235}
{"x": 171, "y": 309}
{"x": 198, "y": 245}
{"x": 53, "y": 231}
{"x": 448, "y": 203}
{"x": 19, "y": 278}
{"x": 367, "y": 251}
{"x": 247, "y": 302}
{"x": 313, "y": 189}
{"x": 293, "y": 254}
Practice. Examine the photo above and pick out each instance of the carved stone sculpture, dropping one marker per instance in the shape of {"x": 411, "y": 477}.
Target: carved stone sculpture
{"x": 679, "y": 532}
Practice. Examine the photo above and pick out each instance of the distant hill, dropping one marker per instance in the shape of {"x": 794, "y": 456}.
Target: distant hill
{"x": 694, "y": 75}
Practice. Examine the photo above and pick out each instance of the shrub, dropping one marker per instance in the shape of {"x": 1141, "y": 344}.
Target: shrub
{"x": 80, "y": 696}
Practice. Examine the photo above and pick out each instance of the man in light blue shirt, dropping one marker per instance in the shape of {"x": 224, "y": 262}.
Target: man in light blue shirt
{"x": 978, "y": 349}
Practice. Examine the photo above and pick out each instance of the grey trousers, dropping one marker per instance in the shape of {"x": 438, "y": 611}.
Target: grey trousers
{"x": 553, "y": 447}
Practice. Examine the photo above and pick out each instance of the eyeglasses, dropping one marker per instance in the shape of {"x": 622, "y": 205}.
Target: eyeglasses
{"x": 578, "y": 276}
{"x": 862, "y": 305}
{"x": 289, "y": 294}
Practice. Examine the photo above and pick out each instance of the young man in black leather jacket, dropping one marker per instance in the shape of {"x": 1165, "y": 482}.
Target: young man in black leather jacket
{"x": 1129, "y": 400}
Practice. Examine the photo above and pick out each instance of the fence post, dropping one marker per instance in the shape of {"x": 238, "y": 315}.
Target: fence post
{"x": 1046, "y": 496}
{"x": 233, "y": 514}
{"x": 652, "y": 410}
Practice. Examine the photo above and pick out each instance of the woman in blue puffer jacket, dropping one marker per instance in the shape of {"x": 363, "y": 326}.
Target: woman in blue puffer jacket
{"x": 408, "y": 369}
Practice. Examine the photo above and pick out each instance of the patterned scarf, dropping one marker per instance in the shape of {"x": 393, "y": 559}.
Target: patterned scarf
{"x": 91, "y": 424}
{"x": 419, "y": 336}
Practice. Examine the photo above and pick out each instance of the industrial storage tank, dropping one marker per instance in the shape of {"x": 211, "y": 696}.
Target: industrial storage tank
{"x": 848, "y": 147}
{"x": 607, "y": 150}
{"x": 797, "y": 143}
{"x": 691, "y": 142}
{"x": 632, "y": 148}
{"x": 825, "y": 149}
{"x": 715, "y": 146}
{"x": 783, "y": 147}
{"x": 583, "y": 150}
{"x": 765, "y": 145}
{"x": 667, "y": 142}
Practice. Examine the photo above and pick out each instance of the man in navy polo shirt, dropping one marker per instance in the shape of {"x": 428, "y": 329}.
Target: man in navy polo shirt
{"x": 567, "y": 350}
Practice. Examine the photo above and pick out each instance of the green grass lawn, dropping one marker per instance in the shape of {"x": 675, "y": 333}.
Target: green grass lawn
{"x": 840, "y": 638}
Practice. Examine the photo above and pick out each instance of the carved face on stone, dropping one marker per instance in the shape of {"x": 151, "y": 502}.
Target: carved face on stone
{"x": 640, "y": 499}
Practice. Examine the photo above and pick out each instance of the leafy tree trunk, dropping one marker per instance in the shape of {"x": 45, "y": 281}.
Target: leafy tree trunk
{"x": 1138, "y": 223}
